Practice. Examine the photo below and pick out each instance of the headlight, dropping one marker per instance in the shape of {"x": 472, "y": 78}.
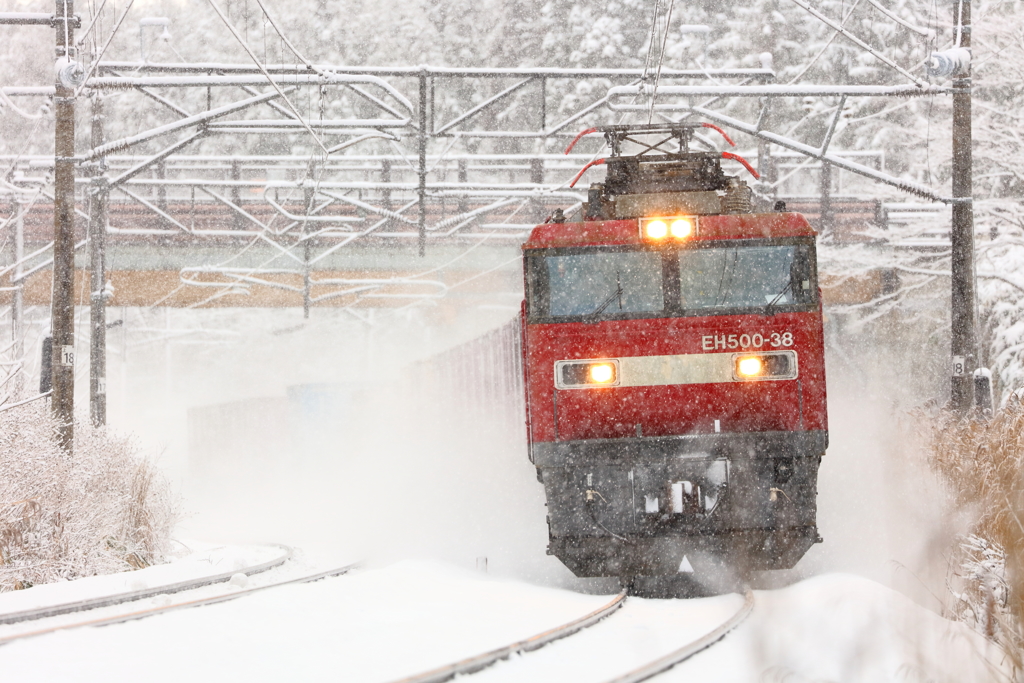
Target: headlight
{"x": 602, "y": 373}
{"x": 751, "y": 366}
{"x": 571, "y": 374}
{"x": 761, "y": 366}
{"x": 656, "y": 230}
{"x": 677, "y": 227}
{"x": 681, "y": 228}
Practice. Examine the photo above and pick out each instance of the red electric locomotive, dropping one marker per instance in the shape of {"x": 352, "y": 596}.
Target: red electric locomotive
{"x": 674, "y": 370}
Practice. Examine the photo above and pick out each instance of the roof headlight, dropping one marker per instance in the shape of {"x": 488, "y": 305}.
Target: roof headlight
{"x": 655, "y": 229}
{"x": 681, "y": 228}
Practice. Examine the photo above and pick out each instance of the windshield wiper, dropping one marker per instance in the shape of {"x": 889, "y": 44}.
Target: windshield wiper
{"x": 771, "y": 304}
{"x": 617, "y": 294}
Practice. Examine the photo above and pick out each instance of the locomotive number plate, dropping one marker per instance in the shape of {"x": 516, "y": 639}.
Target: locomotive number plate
{"x": 757, "y": 340}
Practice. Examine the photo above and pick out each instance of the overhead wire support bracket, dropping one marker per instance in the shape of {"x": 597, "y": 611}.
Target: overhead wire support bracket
{"x": 154, "y": 208}
{"x": 775, "y": 91}
{"x": 125, "y": 143}
{"x": 38, "y": 19}
{"x": 832, "y": 125}
{"x": 167, "y": 103}
{"x": 155, "y": 159}
{"x": 838, "y": 162}
{"x": 762, "y": 115}
{"x": 483, "y": 105}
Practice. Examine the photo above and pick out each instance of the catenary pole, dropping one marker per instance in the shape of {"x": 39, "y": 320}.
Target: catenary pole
{"x": 18, "y": 304}
{"x": 65, "y": 22}
{"x": 62, "y": 307}
{"x": 826, "y": 212}
{"x": 963, "y": 337}
{"x": 421, "y": 169}
{"x": 308, "y": 198}
{"x": 97, "y": 260}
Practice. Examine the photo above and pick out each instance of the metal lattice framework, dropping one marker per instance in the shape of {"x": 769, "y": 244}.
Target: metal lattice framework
{"x": 325, "y": 213}
{"x": 381, "y": 158}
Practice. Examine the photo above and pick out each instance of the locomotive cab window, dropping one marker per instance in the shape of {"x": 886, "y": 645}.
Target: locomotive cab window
{"x": 743, "y": 277}
{"x": 600, "y": 284}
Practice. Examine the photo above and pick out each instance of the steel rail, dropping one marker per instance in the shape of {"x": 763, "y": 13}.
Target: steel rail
{"x": 480, "y": 662}
{"x": 120, "y": 598}
{"x": 142, "y": 614}
{"x": 670, "y": 660}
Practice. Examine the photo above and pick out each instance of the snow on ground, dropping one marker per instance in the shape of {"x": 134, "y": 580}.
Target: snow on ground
{"x": 195, "y": 561}
{"x": 835, "y": 627}
{"x": 386, "y": 623}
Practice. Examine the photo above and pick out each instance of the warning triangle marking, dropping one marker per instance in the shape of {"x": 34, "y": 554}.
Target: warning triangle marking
{"x": 685, "y": 566}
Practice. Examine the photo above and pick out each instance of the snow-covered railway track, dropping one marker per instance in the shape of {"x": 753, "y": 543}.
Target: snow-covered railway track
{"x": 132, "y": 596}
{"x": 482, "y": 661}
{"x": 679, "y": 656}
{"x": 160, "y": 609}
{"x": 647, "y": 671}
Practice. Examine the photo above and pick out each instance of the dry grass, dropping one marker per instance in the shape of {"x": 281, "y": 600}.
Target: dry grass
{"x": 102, "y": 510}
{"x": 982, "y": 462}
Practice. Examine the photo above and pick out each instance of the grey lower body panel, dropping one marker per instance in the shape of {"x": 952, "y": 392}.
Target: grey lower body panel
{"x": 658, "y": 506}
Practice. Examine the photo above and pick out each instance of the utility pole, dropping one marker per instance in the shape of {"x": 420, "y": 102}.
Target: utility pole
{"x": 826, "y": 212}
{"x": 18, "y": 305}
{"x": 308, "y": 197}
{"x": 421, "y": 143}
{"x": 98, "y": 193}
{"x": 68, "y": 76}
{"x": 963, "y": 338}
{"x": 62, "y": 308}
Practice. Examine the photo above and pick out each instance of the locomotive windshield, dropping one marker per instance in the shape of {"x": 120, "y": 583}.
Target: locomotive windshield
{"x": 595, "y": 283}
{"x": 744, "y": 277}
{"x": 602, "y": 283}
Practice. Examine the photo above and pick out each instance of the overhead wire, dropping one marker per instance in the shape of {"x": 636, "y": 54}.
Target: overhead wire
{"x": 661, "y": 59}
{"x": 103, "y": 50}
{"x": 926, "y": 33}
{"x": 860, "y": 43}
{"x": 95, "y": 18}
{"x": 265, "y": 73}
{"x": 316, "y": 161}
{"x": 644, "y": 78}
{"x": 828, "y": 43}
{"x": 650, "y": 44}
{"x": 8, "y": 102}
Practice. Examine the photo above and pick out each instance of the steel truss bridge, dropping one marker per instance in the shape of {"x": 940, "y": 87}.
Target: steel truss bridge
{"x": 378, "y": 189}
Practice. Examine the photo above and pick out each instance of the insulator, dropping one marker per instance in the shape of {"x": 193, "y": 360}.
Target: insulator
{"x": 69, "y": 72}
{"x": 949, "y": 62}
{"x": 738, "y": 198}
